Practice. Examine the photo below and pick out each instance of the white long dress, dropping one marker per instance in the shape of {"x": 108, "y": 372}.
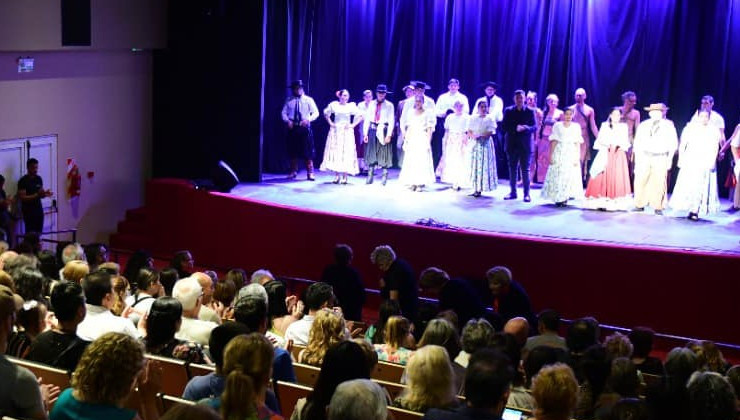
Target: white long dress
{"x": 418, "y": 167}
{"x": 454, "y": 166}
{"x": 563, "y": 179}
{"x": 696, "y": 185}
{"x": 340, "y": 152}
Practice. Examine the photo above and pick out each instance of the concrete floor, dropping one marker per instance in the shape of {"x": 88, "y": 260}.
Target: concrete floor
{"x": 716, "y": 233}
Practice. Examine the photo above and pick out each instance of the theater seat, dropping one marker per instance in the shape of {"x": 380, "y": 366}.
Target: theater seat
{"x": 288, "y": 394}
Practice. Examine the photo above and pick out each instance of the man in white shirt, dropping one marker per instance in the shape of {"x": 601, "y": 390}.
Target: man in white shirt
{"x": 419, "y": 89}
{"x": 444, "y": 107}
{"x": 99, "y": 319}
{"x": 367, "y": 97}
{"x": 496, "y": 113}
{"x": 298, "y": 113}
{"x": 206, "y": 312}
{"x": 318, "y": 296}
{"x": 408, "y": 92}
{"x": 715, "y": 118}
{"x": 189, "y": 293}
{"x": 379, "y": 120}
{"x": 655, "y": 144}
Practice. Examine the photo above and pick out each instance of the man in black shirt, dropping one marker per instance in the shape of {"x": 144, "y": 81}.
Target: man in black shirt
{"x": 518, "y": 125}
{"x": 453, "y": 294}
{"x": 398, "y": 282}
{"x": 60, "y": 347}
{"x": 347, "y": 284}
{"x": 31, "y": 191}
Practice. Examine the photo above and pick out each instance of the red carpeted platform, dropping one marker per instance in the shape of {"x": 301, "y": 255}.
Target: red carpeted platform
{"x": 684, "y": 293}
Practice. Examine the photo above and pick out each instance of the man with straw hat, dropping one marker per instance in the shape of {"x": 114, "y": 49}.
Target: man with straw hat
{"x": 655, "y": 144}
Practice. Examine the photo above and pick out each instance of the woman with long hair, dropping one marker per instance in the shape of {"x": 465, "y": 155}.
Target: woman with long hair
{"x": 162, "y": 323}
{"x": 147, "y": 289}
{"x": 326, "y": 330}
{"x": 550, "y": 115}
{"x": 441, "y": 332}
{"x": 121, "y": 291}
{"x": 138, "y": 260}
{"x": 375, "y": 334}
{"x": 282, "y": 311}
{"x": 399, "y": 343}
{"x": 430, "y": 381}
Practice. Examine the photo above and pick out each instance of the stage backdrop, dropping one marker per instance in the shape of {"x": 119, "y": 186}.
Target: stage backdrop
{"x": 666, "y": 51}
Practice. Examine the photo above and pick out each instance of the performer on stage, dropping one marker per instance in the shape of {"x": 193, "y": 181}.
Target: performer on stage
{"x": 550, "y": 115}
{"x": 367, "y": 96}
{"x": 495, "y": 107}
{"x": 419, "y": 94}
{"x": 340, "y": 154}
{"x": 531, "y": 101}
{"x": 563, "y": 179}
{"x": 735, "y": 148}
{"x": 631, "y": 117}
{"x": 443, "y": 108}
{"x": 655, "y": 144}
{"x": 408, "y": 90}
{"x": 378, "y": 131}
{"x": 518, "y": 124}
{"x": 585, "y": 116}
{"x": 715, "y": 118}
{"x": 417, "y": 125}
{"x": 455, "y": 165}
{"x": 609, "y": 186}
{"x": 696, "y": 186}
{"x": 483, "y": 161}
{"x": 298, "y": 113}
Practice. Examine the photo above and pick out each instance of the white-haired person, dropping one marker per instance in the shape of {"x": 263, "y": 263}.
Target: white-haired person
{"x": 262, "y": 276}
{"x": 398, "y": 282}
{"x": 210, "y": 310}
{"x": 189, "y": 293}
{"x": 358, "y": 399}
{"x": 430, "y": 381}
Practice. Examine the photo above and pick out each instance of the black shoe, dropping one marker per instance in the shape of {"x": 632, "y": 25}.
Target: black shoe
{"x": 527, "y": 199}
{"x": 561, "y": 204}
{"x": 336, "y": 180}
{"x": 658, "y": 212}
{"x": 510, "y": 197}
{"x": 693, "y": 216}
{"x": 476, "y": 194}
{"x": 310, "y": 177}
{"x": 370, "y": 176}
{"x": 639, "y": 209}
{"x": 385, "y": 177}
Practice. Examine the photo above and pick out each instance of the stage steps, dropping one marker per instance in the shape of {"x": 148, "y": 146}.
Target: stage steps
{"x": 131, "y": 233}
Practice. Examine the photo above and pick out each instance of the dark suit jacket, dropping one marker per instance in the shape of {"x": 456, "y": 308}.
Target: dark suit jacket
{"x": 518, "y": 141}
{"x": 460, "y": 297}
{"x": 516, "y": 303}
{"x": 460, "y": 413}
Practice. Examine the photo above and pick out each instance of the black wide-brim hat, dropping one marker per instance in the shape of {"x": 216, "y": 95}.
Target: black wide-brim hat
{"x": 381, "y": 88}
{"x": 296, "y": 83}
{"x": 489, "y": 83}
{"x": 418, "y": 84}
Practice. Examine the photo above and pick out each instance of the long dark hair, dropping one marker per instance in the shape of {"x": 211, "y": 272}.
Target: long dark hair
{"x": 387, "y": 309}
{"x": 342, "y": 362}
{"x": 609, "y": 118}
{"x": 161, "y": 324}
{"x": 276, "y": 294}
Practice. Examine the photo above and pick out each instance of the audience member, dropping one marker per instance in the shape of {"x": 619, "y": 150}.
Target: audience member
{"x": 592, "y": 370}
{"x": 441, "y": 333}
{"x": 476, "y": 334}
{"x": 509, "y": 298}
{"x": 555, "y": 392}
{"x": 548, "y": 324}
{"x": 209, "y": 310}
{"x": 519, "y": 328}
{"x": 121, "y": 290}
{"x": 669, "y": 400}
{"x": 29, "y": 282}
{"x": 148, "y": 288}
{"x": 73, "y": 252}
{"x": 253, "y": 289}
{"x": 319, "y": 295}
{"x": 96, "y": 254}
{"x": 31, "y": 321}
{"x": 189, "y": 293}
{"x": 162, "y": 323}
{"x": 238, "y": 276}
{"x": 487, "y": 386}
{"x": 537, "y": 358}
{"x": 225, "y": 292}
{"x": 399, "y": 281}
{"x": 48, "y": 265}
{"x": 582, "y": 334}
{"x": 711, "y": 397}
{"x": 623, "y": 382}
{"x": 629, "y": 409}
{"x": 713, "y": 359}
{"x": 358, "y": 399}
{"x": 376, "y": 332}
{"x": 168, "y": 277}
{"x": 519, "y": 395}
{"x": 261, "y": 276}
{"x": 642, "y": 344}
{"x": 189, "y": 412}
{"x": 618, "y": 345}
{"x": 281, "y": 311}
{"x": 99, "y": 319}
{"x": 75, "y": 271}
{"x": 430, "y": 381}
{"x": 399, "y": 343}
{"x": 108, "y": 371}
{"x": 183, "y": 262}
{"x": 60, "y": 347}
{"x": 138, "y": 260}
{"x": 453, "y": 294}
{"x": 733, "y": 377}
{"x": 370, "y": 354}
{"x": 342, "y": 362}
{"x": 326, "y": 331}
{"x": 114, "y": 269}
{"x": 346, "y": 282}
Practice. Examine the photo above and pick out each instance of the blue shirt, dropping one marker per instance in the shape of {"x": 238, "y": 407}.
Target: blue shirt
{"x": 68, "y": 407}
{"x": 210, "y": 387}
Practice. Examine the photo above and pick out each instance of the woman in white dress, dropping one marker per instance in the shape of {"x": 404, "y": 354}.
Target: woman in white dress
{"x": 696, "y": 185}
{"x": 483, "y": 160}
{"x": 563, "y": 179}
{"x": 418, "y": 167}
{"x": 609, "y": 186}
{"x": 340, "y": 153}
{"x": 454, "y": 168}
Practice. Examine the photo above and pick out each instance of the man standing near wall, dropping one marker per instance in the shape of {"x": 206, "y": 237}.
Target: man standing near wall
{"x": 31, "y": 191}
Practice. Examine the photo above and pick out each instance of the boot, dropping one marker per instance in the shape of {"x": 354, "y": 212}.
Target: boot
{"x": 309, "y": 170}
{"x": 385, "y": 176}
{"x": 293, "y": 169}
{"x": 370, "y": 174}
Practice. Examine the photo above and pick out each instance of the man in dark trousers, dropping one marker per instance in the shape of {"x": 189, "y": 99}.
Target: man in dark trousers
{"x": 518, "y": 125}
{"x": 31, "y": 191}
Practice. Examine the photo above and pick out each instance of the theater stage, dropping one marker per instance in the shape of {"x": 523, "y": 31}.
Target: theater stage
{"x": 491, "y": 213}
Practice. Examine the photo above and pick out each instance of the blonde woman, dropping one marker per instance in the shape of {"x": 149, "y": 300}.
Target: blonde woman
{"x": 121, "y": 290}
{"x": 75, "y": 270}
{"x": 399, "y": 342}
{"x": 430, "y": 381}
{"x": 555, "y": 392}
{"x": 110, "y": 368}
{"x": 326, "y": 330}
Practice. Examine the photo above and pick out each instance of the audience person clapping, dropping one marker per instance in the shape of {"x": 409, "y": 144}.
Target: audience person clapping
{"x": 327, "y": 330}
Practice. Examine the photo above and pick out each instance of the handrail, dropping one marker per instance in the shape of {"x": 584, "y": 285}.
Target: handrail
{"x": 53, "y": 232}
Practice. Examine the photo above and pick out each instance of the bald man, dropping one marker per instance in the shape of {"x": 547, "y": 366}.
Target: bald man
{"x": 585, "y": 116}
{"x": 207, "y": 313}
{"x": 519, "y": 328}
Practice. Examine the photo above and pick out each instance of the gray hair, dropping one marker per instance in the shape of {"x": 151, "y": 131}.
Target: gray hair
{"x": 253, "y": 289}
{"x": 476, "y": 334}
{"x": 260, "y": 274}
{"x": 73, "y": 252}
{"x": 382, "y": 254}
{"x": 358, "y": 399}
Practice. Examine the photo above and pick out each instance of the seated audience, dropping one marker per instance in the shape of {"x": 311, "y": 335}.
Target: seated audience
{"x": 358, "y": 399}
{"x": 238, "y": 276}
{"x": 441, "y": 333}
{"x": 225, "y": 292}
{"x": 711, "y": 397}
{"x": 326, "y": 331}
{"x": 518, "y": 327}
{"x": 487, "y": 386}
{"x": 642, "y": 344}
{"x": 20, "y": 395}
{"x": 712, "y": 358}
{"x": 183, "y": 262}
{"x": 370, "y": 354}
{"x": 148, "y": 288}
{"x": 30, "y": 322}
{"x": 593, "y": 369}
{"x": 476, "y": 334}
{"x": 261, "y": 277}
{"x": 210, "y": 310}
{"x": 138, "y": 260}
{"x": 629, "y": 409}
{"x": 376, "y": 332}
{"x": 623, "y": 382}
{"x": 121, "y": 289}
{"x": 168, "y": 277}
{"x": 112, "y": 268}
{"x": 29, "y": 282}
{"x": 618, "y": 345}
{"x": 519, "y": 395}
{"x": 99, "y": 319}
{"x": 399, "y": 343}
{"x": 453, "y": 294}
{"x": 318, "y": 295}
{"x": 188, "y": 292}
{"x": 96, "y": 254}
{"x": 399, "y": 281}
{"x": 582, "y": 334}
{"x": 108, "y": 371}
{"x": 48, "y": 265}
{"x": 548, "y": 324}
{"x": 71, "y": 252}
{"x": 429, "y": 381}
{"x": 669, "y": 400}
{"x": 346, "y": 282}
{"x": 247, "y": 364}
{"x": 162, "y": 323}
{"x": 509, "y": 298}
{"x": 555, "y": 392}
{"x": 733, "y": 377}
{"x": 75, "y": 271}
{"x": 537, "y": 358}
{"x": 252, "y": 312}
{"x": 253, "y": 289}
{"x": 281, "y": 311}
{"x": 189, "y": 412}
{"x": 342, "y": 362}
{"x": 60, "y": 346}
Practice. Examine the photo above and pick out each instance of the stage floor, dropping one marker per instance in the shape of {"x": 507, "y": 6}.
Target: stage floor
{"x": 491, "y": 213}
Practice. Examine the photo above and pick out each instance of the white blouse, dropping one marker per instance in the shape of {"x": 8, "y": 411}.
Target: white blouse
{"x": 342, "y": 112}
{"x": 563, "y": 134}
{"x": 480, "y": 125}
{"x": 617, "y": 135}
{"x": 456, "y": 123}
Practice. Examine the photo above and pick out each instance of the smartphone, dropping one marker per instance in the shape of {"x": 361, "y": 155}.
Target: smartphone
{"x": 511, "y": 414}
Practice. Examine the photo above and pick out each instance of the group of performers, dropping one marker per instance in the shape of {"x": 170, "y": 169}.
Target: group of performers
{"x": 549, "y": 146}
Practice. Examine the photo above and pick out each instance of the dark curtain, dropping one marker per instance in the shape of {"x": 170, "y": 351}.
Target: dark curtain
{"x": 665, "y": 51}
